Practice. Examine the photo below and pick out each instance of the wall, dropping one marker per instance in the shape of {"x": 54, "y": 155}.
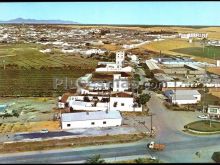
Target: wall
{"x": 128, "y": 104}
{"x": 87, "y": 124}
{"x": 184, "y": 102}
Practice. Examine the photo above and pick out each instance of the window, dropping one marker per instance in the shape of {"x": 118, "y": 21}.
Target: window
{"x": 104, "y": 122}
{"x": 122, "y": 104}
{"x": 92, "y": 123}
{"x": 68, "y": 125}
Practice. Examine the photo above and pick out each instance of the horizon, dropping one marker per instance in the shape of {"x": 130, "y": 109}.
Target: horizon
{"x": 117, "y": 13}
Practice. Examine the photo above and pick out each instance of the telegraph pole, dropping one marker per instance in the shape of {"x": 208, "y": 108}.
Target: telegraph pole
{"x": 151, "y": 125}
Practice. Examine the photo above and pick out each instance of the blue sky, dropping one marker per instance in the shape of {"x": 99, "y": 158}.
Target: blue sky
{"x": 156, "y": 13}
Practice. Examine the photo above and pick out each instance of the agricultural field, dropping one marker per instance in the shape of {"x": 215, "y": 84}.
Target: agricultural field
{"x": 215, "y": 70}
{"x": 27, "y": 56}
{"x": 29, "y": 72}
{"x": 34, "y": 82}
{"x": 207, "y": 52}
{"x": 183, "y": 48}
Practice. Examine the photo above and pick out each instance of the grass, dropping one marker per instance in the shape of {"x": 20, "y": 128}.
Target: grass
{"x": 182, "y": 47}
{"x": 208, "y": 52}
{"x": 70, "y": 142}
{"x": 137, "y": 161}
{"x": 204, "y": 126}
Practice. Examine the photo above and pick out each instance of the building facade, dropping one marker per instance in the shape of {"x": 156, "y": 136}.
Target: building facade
{"x": 90, "y": 119}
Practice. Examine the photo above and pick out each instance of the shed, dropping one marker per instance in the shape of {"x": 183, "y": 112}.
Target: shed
{"x": 91, "y": 119}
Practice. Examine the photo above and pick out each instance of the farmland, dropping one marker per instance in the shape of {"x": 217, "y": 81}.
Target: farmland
{"x": 208, "y": 52}
{"x": 27, "y": 56}
{"x": 29, "y": 72}
{"x": 184, "y": 48}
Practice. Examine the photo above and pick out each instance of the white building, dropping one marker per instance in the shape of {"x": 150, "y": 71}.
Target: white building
{"x": 86, "y": 78}
{"x": 218, "y": 63}
{"x": 123, "y": 102}
{"x": 183, "y": 96}
{"x": 91, "y": 119}
{"x": 118, "y": 66}
{"x": 45, "y": 51}
{"x": 193, "y": 35}
{"x": 115, "y": 102}
{"x": 120, "y": 84}
{"x": 134, "y": 59}
{"x": 214, "y": 110}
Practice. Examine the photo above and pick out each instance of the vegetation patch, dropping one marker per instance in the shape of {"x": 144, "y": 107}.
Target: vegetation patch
{"x": 207, "y": 52}
{"x": 70, "y": 142}
{"x": 204, "y": 126}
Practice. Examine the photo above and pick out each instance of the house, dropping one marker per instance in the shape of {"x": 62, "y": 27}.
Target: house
{"x": 183, "y": 96}
{"x": 214, "y": 110}
{"x": 91, "y": 119}
{"x": 119, "y": 101}
{"x": 123, "y": 102}
{"x": 63, "y": 100}
{"x": 118, "y": 66}
{"x": 120, "y": 84}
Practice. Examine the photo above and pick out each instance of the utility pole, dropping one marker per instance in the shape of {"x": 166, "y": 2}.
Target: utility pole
{"x": 151, "y": 125}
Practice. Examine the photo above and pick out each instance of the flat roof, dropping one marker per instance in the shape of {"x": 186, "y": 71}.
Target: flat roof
{"x": 184, "y": 93}
{"x": 83, "y": 116}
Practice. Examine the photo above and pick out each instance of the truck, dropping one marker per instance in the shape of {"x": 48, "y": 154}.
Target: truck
{"x": 154, "y": 146}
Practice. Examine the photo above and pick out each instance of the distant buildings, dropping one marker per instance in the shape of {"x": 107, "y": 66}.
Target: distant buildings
{"x": 193, "y": 35}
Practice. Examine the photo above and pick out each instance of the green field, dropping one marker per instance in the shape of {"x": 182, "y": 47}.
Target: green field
{"x": 27, "y": 56}
{"x": 208, "y": 52}
{"x": 28, "y": 72}
{"x": 37, "y": 82}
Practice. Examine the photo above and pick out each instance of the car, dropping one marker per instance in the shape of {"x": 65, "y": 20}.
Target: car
{"x": 44, "y": 131}
{"x": 203, "y": 117}
{"x": 152, "y": 158}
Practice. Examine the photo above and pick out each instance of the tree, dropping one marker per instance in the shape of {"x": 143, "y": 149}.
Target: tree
{"x": 143, "y": 99}
{"x": 96, "y": 159}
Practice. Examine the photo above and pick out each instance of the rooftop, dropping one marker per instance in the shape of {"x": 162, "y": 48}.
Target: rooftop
{"x": 83, "y": 116}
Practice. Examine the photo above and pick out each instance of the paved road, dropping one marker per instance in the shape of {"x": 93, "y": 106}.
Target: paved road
{"x": 182, "y": 154}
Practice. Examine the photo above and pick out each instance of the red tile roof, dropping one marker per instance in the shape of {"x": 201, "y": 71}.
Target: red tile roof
{"x": 121, "y": 94}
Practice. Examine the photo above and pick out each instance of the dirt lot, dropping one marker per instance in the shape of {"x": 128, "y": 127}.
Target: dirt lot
{"x": 215, "y": 70}
{"x": 29, "y": 126}
{"x": 34, "y": 114}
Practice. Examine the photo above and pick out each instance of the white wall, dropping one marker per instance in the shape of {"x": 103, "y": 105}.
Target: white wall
{"x": 180, "y": 102}
{"x": 120, "y": 84}
{"x": 128, "y": 104}
{"x": 87, "y": 124}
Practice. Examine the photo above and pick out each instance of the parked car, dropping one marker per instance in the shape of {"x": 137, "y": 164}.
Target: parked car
{"x": 152, "y": 158}
{"x": 203, "y": 117}
{"x": 44, "y": 131}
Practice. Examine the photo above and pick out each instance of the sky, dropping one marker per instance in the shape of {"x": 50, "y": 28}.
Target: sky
{"x": 142, "y": 13}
